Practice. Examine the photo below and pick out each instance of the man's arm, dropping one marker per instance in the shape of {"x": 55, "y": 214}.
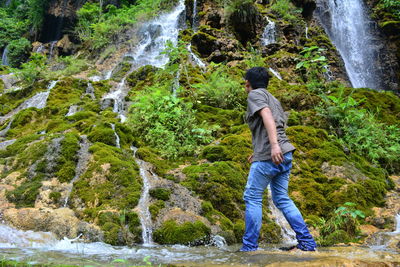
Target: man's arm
{"x": 270, "y": 126}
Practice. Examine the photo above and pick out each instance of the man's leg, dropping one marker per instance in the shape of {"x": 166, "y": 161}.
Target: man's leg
{"x": 279, "y": 190}
{"x": 253, "y": 194}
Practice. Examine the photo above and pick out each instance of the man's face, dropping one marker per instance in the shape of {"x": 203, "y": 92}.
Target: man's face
{"x": 248, "y": 86}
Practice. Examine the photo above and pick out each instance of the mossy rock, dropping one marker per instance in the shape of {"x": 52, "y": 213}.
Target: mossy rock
{"x": 172, "y": 233}
{"x": 338, "y": 236}
{"x": 104, "y": 134}
{"x": 160, "y": 193}
{"x": 155, "y": 208}
{"x": 142, "y": 77}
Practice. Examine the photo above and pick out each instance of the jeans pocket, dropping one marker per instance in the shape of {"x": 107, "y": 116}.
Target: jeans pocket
{"x": 287, "y": 157}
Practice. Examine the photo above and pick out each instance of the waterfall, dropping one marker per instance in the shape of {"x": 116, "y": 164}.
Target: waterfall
{"x": 195, "y": 58}
{"x": 5, "y": 144}
{"x": 275, "y": 73}
{"x": 72, "y": 110}
{"x": 349, "y": 27}
{"x": 5, "y": 130}
{"x": 269, "y": 34}
{"x": 52, "y": 44}
{"x": 397, "y": 230}
{"x": 83, "y": 158}
{"x": 306, "y": 32}
{"x": 117, "y": 139}
{"x": 195, "y": 20}
{"x": 4, "y": 58}
{"x": 40, "y": 48}
{"x": 37, "y": 101}
{"x": 90, "y": 90}
{"x": 143, "y": 206}
{"x": 288, "y": 235}
{"x": 154, "y": 37}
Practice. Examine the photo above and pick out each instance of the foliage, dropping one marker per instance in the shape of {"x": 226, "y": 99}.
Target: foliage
{"x": 98, "y": 25}
{"x": 286, "y": 10}
{"x": 220, "y": 90}
{"x": 313, "y": 62}
{"x": 11, "y": 28}
{"x": 32, "y": 70}
{"x": 18, "y": 51}
{"x": 254, "y": 59}
{"x": 68, "y": 66}
{"x": 392, "y": 6}
{"x": 166, "y": 123}
{"x": 361, "y": 131}
{"x": 172, "y": 233}
{"x": 342, "y": 227}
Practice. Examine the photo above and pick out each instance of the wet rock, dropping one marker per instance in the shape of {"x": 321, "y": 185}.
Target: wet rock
{"x": 61, "y": 222}
{"x": 346, "y": 171}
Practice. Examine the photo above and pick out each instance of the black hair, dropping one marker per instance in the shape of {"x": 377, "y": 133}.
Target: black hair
{"x": 258, "y": 77}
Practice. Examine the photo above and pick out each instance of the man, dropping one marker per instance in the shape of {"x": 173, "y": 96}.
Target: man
{"x": 271, "y": 163}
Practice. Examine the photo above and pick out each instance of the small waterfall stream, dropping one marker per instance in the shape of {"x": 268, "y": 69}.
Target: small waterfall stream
{"x": 83, "y": 158}
{"x": 397, "y": 230}
{"x": 195, "y": 58}
{"x": 51, "y": 53}
{"x": 288, "y": 235}
{"x": 117, "y": 139}
{"x": 269, "y": 34}
{"x": 275, "y": 73}
{"x": 143, "y": 206}
{"x": 4, "y": 58}
{"x": 349, "y": 27}
{"x": 195, "y": 21}
{"x": 5, "y": 130}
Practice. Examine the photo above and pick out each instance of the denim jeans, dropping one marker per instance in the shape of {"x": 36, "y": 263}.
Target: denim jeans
{"x": 261, "y": 174}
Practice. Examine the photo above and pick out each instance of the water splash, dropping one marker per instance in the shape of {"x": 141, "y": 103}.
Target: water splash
{"x": 117, "y": 139}
{"x": 348, "y": 26}
{"x": 275, "y": 73}
{"x": 288, "y": 235}
{"x": 83, "y": 159}
{"x": 218, "y": 241}
{"x": 4, "y": 58}
{"x": 269, "y": 34}
{"x": 143, "y": 206}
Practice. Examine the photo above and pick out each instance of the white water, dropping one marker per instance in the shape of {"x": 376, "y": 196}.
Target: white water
{"x": 195, "y": 58}
{"x": 143, "y": 206}
{"x": 275, "y": 73}
{"x": 83, "y": 158}
{"x": 154, "y": 37}
{"x": 269, "y": 34}
{"x": 397, "y": 230}
{"x": 40, "y": 48}
{"x": 5, "y": 144}
{"x": 117, "y": 139}
{"x": 306, "y": 32}
{"x": 90, "y": 90}
{"x": 5, "y": 130}
{"x": 52, "y": 44}
{"x": 4, "y": 58}
{"x": 195, "y": 21}
{"x": 348, "y": 26}
{"x": 288, "y": 235}
{"x": 72, "y": 110}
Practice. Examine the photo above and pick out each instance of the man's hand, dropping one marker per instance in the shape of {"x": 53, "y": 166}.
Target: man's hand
{"x": 276, "y": 154}
{"x": 250, "y": 158}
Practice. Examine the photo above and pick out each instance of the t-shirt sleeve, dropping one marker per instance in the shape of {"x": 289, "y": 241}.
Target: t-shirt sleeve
{"x": 256, "y": 101}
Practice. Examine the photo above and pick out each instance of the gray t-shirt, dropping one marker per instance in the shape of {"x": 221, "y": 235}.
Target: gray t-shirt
{"x": 258, "y": 99}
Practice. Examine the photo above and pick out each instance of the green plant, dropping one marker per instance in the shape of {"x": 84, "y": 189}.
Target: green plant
{"x": 220, "y": 89}
{"x": 33, "y": 69}
{"x": 392, "y": 6}
{"x": 286, "y": 10}
{"x": 166, "y": 122}
{"x": 313, "y": 62}
{"x": 18, "y": 51}
{"x": 254, "y": 58}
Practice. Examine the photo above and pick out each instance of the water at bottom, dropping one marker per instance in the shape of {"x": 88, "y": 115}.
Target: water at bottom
{"x": 100, "y": 254}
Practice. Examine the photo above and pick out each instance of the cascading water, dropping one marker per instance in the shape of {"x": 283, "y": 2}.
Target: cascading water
{"x": 143, "y": 206}
{"x": 90, "y": 90}
{"x": 83, "y": 158}
{"x": 37, "y": 101}
{"x": 72, "y": 110}
{"x": 4, "y": 58}
{"x": 5, "y": 144}
{"x": 5, "y": 130}
{"x": 154, "y": 37}
{"x": 117, "y": 139}
{"x": 269, "y": 34}
{"x": 397, "y": 230}
{"x": 288, "y": 235}
{"x": 195, "y": 58}
{"x": 195, "y": 21}
{"x": 349, "y": 27}
{"x": 275, "y": 73}
{"x": 52, "y": 44}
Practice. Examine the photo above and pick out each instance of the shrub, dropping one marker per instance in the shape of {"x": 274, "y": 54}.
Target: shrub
{"x": 166, "y": 123}
{"x": 33, "y": 69}
{"x": 18, "y": 51}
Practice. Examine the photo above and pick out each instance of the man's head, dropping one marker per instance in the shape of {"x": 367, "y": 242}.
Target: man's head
{"x": 256, "y": 77}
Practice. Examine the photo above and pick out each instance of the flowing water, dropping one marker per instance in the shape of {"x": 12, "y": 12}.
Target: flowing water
{"x": 195, "y": 21}
{"x": 117, "y": 139}
{"x": 397, "y": 230}
{"x": 37, "y": 101}
{"x": 51, "y": 53}
{"x": 269, "y": 34}
{"x": 72, "y": 110}
{"x": 5, "y": 130}
{"x": 4, "y": 58}
{"x": 275, "y": 73}
{"x": 5, "y": 144}
{"x": 288, "y": 235}
{"x": 195, "y": 58}
{"x": 143, "y": 206}
{"x": 348, "y": 25}
{"x": 83, "y": 158}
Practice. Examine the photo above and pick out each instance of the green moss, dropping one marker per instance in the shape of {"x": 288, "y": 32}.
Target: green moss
{"x": 216, "y": 217}
{"x": 68, "y": 157}
{"x": 238, "y": 229}
{"x": 25, "y": 194}
{"x": 160, "y": 193}
{"x": 338, "y": 236}
{"x": 172, "y": 233}
{"x": 102, "y": 133}
{"x": 142, "y": 77}
{"x": 55, "y": 196}
{"x": 221, "y": 183}
{"x": 120, "y": 70}
{"x": 161, "y": 166}
{"x": 155, "y": 208}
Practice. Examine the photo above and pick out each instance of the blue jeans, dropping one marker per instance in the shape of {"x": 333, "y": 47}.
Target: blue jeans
{"x": 261, "y": 174}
